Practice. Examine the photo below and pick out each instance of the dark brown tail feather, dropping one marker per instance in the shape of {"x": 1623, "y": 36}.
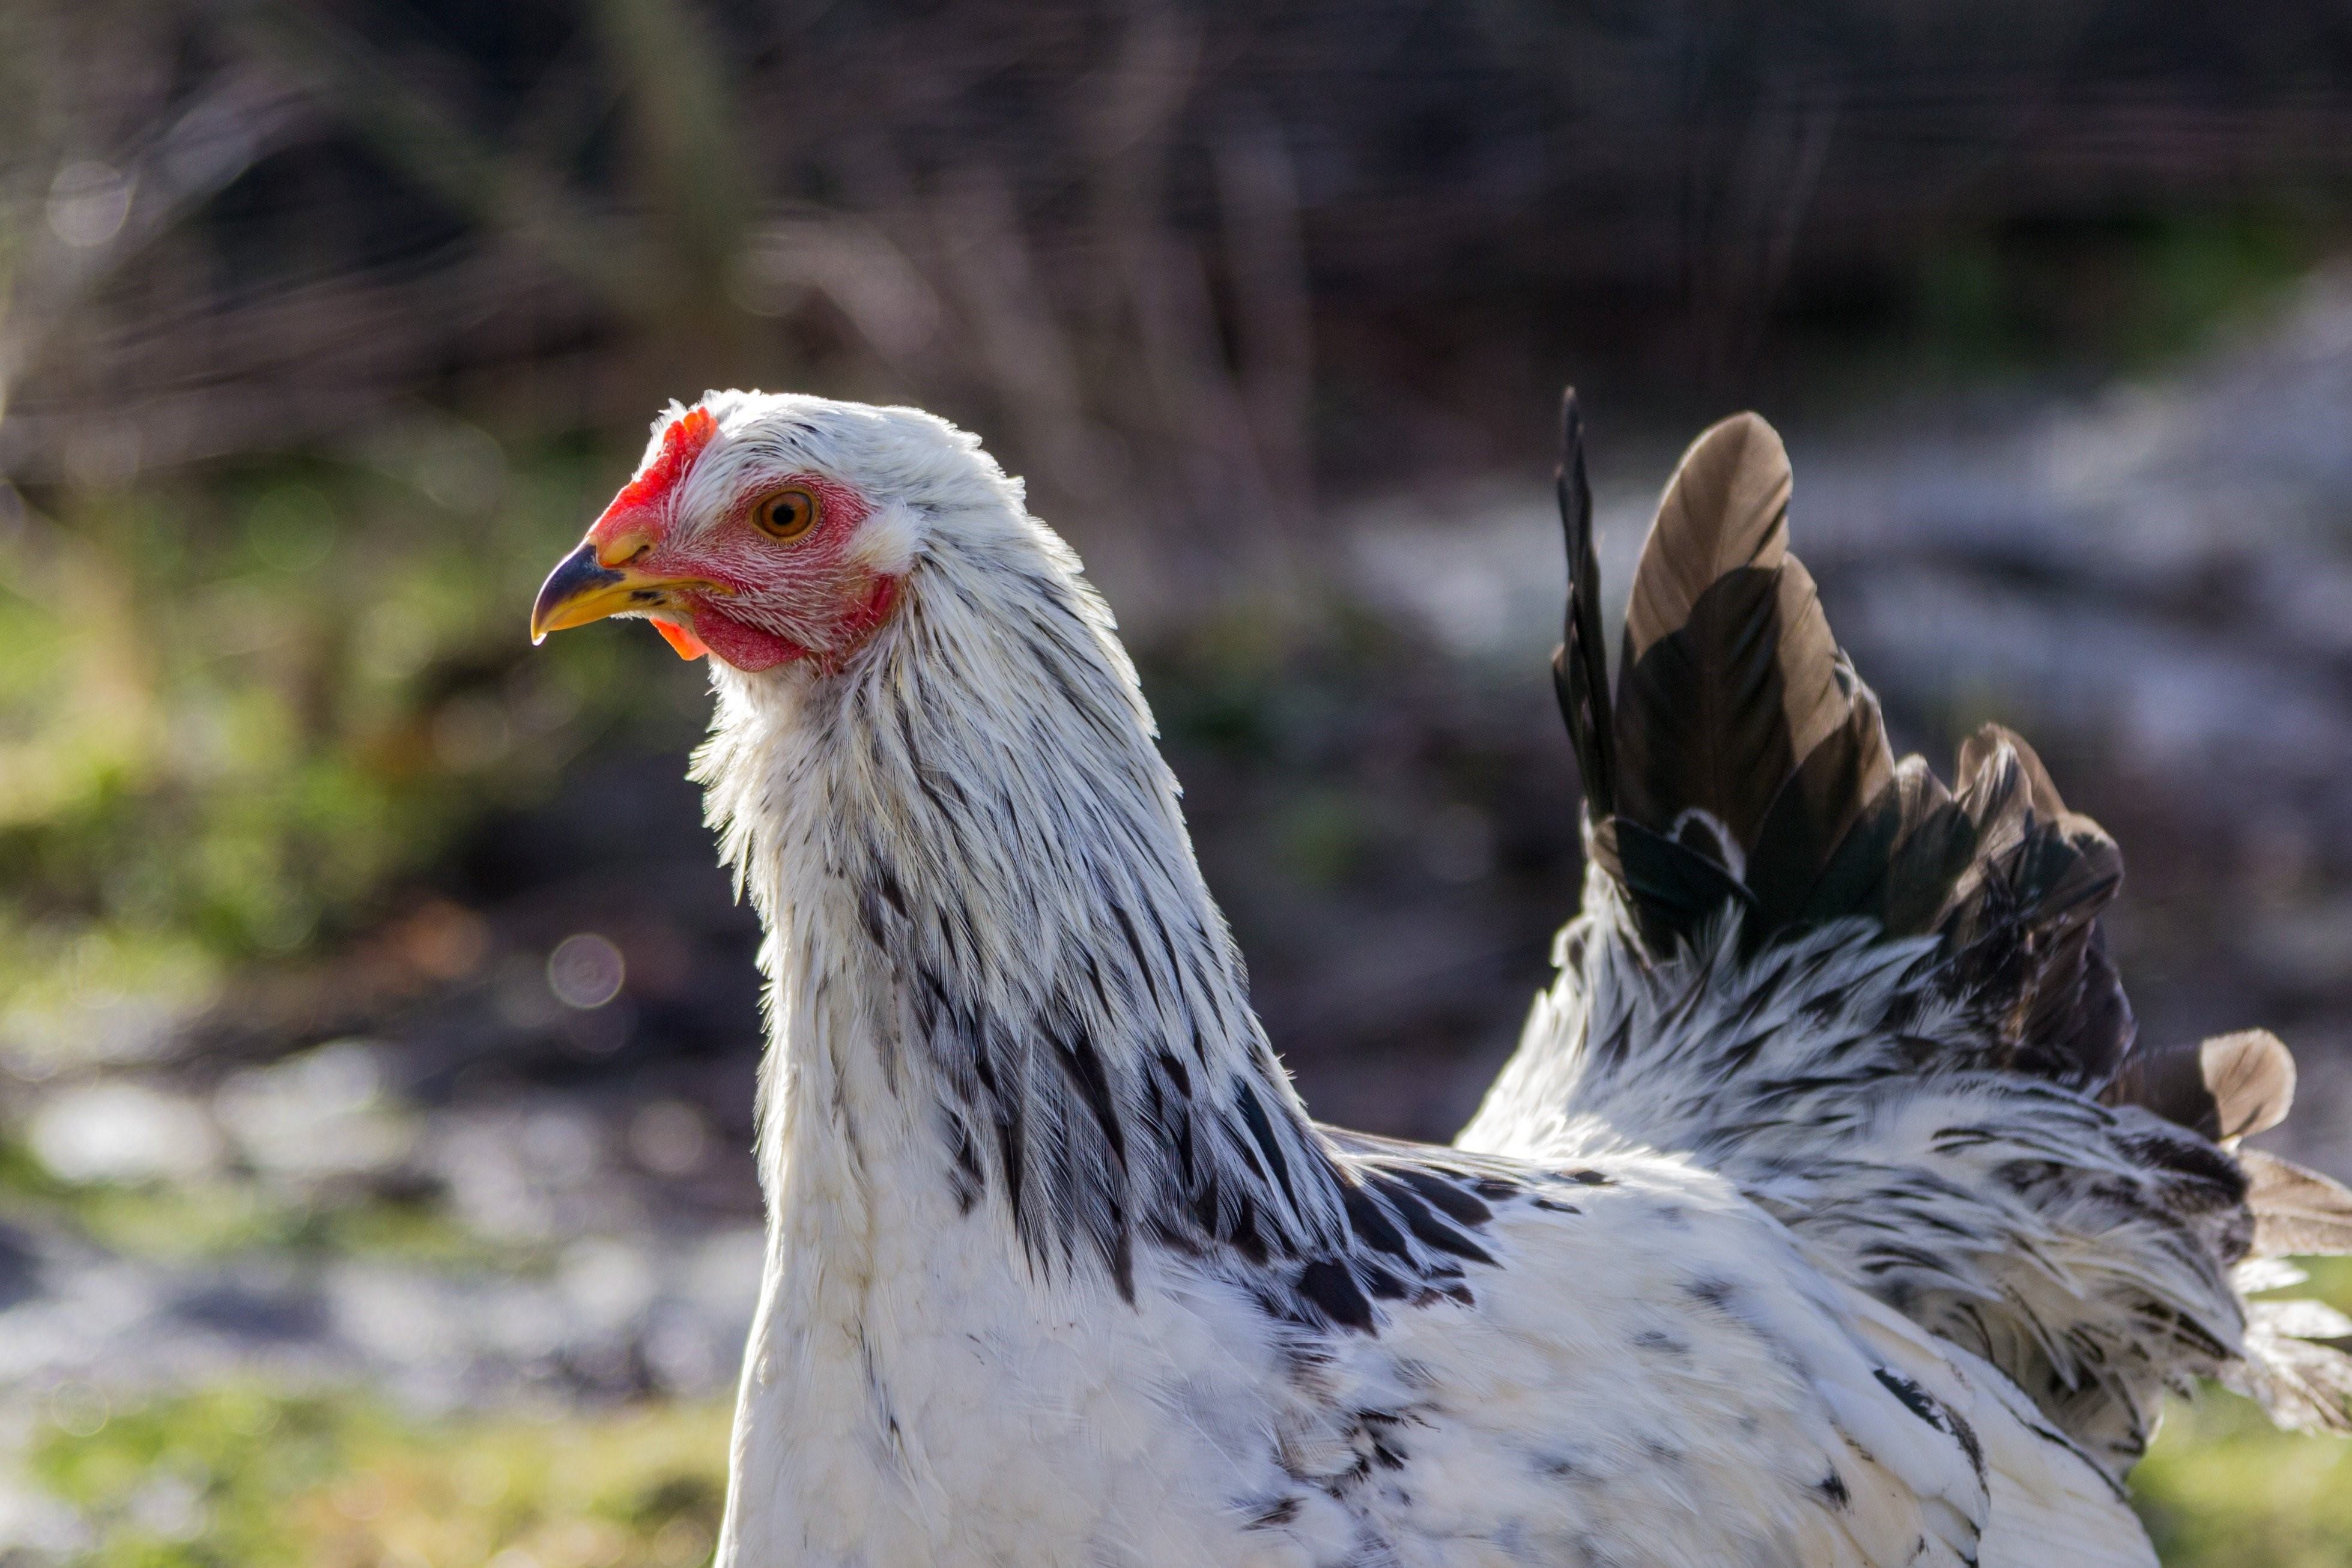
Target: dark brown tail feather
{"x": 1751, "y": 768}
{"x": 1729, "y": 680}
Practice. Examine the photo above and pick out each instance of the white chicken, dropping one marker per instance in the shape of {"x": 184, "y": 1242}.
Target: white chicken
{"x": 1827, "y": 1214}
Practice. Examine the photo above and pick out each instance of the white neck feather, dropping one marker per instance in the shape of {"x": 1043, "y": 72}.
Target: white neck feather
{"x": 990, "y": 951}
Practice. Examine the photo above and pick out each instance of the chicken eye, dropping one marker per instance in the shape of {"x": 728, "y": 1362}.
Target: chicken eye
{"x": 786, "y": 514}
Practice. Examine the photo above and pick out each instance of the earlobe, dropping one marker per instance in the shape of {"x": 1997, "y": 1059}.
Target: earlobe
{"x": 887, "y": 540}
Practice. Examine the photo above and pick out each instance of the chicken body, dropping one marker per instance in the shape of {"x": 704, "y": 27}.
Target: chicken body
{"x": 1657, "y": 1377}
{"x": 1802, "y": 1241}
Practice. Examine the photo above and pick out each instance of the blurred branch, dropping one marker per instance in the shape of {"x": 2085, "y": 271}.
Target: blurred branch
{"x": 1265, "y": 257}
{"x": 286, "y": 367}
{"x": 856, "y": 267}
{"x": 695, "y": 158}
{"x": 1155, "y": 250}
{"x": 98, "y": 216}
{"x": 1024, "y": 345}
{"x": 504, "y": 191}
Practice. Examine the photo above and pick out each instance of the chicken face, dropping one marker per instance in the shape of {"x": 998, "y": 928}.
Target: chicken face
{"x": 732, "y": 544}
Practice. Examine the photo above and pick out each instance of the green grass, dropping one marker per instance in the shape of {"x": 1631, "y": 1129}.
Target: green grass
{"x": 2224, "y": 1488}
{"x": 216, "y": 1217}
{"x": 186, "y": 1219}
{"x": 242, "y": 1476}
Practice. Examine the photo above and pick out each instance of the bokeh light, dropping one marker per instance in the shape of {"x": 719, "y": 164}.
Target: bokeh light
{"x": 586, "y": 971}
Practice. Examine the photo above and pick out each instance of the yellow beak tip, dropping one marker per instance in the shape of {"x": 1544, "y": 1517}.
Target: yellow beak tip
{"x": 582, "y": 589}
{"x": 577, "y": 591}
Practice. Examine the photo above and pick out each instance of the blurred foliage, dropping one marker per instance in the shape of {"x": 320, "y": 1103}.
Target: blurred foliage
{"x": 270, "y": 271}
{"x": 243, "y": 1476}
{"x": 1186, "y": 265}
{"x": 2224, "y": 1488}
{"x": 2124, "y": 292}
{"x": 233, "y": 711}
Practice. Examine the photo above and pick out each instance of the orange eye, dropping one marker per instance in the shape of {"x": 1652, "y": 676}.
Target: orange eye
{"x": 786, "y": 514}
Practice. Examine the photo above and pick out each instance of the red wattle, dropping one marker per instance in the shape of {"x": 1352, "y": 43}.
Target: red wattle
{"x": 748, "y": 648}
{"x": 751, "y": 648}
{"x": 681, "y": 638}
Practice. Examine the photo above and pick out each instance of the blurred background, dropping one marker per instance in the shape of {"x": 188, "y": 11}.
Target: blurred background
{"x": 376, "y": 1031}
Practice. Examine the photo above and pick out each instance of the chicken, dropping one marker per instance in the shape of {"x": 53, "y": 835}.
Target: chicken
{"x": 1828, "y": 1213}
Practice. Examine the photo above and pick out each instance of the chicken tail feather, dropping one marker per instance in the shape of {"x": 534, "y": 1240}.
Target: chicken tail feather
{"x": 1580, "y": 665}
{"x": 1885, "y": 1006}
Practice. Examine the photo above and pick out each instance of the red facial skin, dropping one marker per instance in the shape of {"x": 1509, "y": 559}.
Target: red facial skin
{"x": 805, "y": 584}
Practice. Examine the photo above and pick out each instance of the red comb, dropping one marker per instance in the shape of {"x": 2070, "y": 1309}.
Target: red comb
{"x": 683, "y": 440}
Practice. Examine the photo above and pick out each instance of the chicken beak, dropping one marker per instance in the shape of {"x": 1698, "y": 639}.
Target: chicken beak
{"x": 582, "y": 589}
